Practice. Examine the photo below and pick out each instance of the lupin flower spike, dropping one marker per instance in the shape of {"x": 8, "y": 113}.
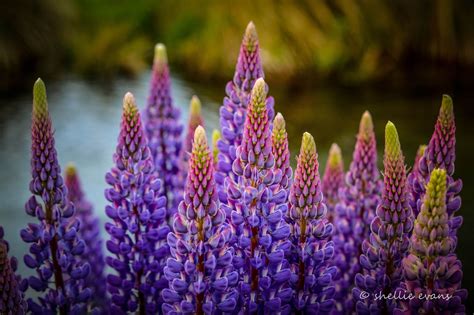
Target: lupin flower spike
{"x": 255, "y": 211}
{"x": 281, "y": 151}
{"x": 195, "y": 119}
{"x": 163, "y": 130}
{"x": 137, "y": 225}
{"x": 90, "y": 233}
{"x": 432, "y": 266}
{"x": 311, "y": 277}
{"x": 234, "y": 109}
{"x": 358, "y": 200}
{"x": 55, "y": 244}
{"x": 11, "y": 286}
{"x": 382, "y": 256}
{"x": 200, "y": 269}
{"x": 440, "y": 153}
{"x": 216, "y": 136}
{"x": 333, "y": 179}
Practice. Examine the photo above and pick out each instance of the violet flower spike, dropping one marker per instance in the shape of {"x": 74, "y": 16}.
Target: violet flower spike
{"x": 90, "y": 233}
{"x": 12, "y": 287}
{"x": 200, "y": 271}
{"x": 255, "y": 211}
{"x": 56, "y": 247}
{"x": 163, "y": 130}
{"x": 311, "y": 252}
{"x": 440, "y": 153}
{"x": 432, "y": 266}
{"x": 137, "y": 221}
{"x": 281, "y": 152}
{"x": 333, "y": 179}
{"x": 234, "y": 108}
{"x": 382, "y": 256}
{"x": 355, "y": 210}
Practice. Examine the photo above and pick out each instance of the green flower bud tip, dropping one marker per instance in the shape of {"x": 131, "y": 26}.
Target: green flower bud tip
{"x": 160, "y": 54}
{"x": 279, "y": 122}
{"x": 436, "y": 190}
{"x": 70, "y": 169}
{"x": 259, "y": 95}
{"x": 40, "y": 102}
{"x": 308, "y": 146}
{"x": 200, "y": 147}
{"x": 446, "y": 112}
{"x": 195, "y": 106}
{"x": 216, "y": 136}
{"x": 421, "y": 150}
{"x": 200, "y": 137}
{"x": 335, "y": 156}
{"x": 250, "y": 37}
{"x": 366, "y": 126}
{"x": 393, "y": 149}
{"x": 129, "y": 106}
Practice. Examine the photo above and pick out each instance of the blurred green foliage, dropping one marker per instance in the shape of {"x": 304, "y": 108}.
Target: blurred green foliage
{"x": 345, "y": 40}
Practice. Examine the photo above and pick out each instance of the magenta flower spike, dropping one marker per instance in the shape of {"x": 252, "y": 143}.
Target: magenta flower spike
{"x": 200, "y": 271}
{"x": 333, "y": 179}
{"x": 432, "y": 266}
{"x": 382, "y": 256}
{"x": 440, "y": 153}
{"x": 163, "y": 130}
{"x": 56, "y": 247}
{"x": 137, "y": 221}
{"x": 90, "y": 233}
{"x": 280, "y": 151}
{"x": 311, "y": 276}
{"x": 255, "y": 211}
{"x": 234, "y": 109}
{"x": 12, "y": 287}
{"x": 195, "y": 120}
{"x": 355, "y": 210}
{"x": 216, "y": 136}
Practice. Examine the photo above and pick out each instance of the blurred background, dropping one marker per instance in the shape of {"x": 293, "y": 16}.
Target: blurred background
{"x": 325, "y": 62}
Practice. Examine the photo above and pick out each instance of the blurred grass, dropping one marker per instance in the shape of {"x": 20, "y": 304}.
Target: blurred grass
{"x": 343, "y": 40}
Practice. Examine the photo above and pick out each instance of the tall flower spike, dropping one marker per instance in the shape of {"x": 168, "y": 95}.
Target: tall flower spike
{"x": 358, "y": 200}
{"x": 255, "y": 210}
{"x": 55, "y": 244}
{"x": 280, "y": 150}
{"x": 216, "y": 136}
{"x": 310, "y": 231}
{"x": 234, "y": 108}
{"x": 195, "y": 120}
{"x": 11, "y": 286}
{"x": 200, "y": 269}
{"x": 382, "y": 256}
{"x": 333, "y": 179}
{"x": 432, "y": 267}
{"x": 163, "y": 130}
{"x": 137, "y": 225}
{"x": 90, "y": 233}
{"x": 440, "y": 153}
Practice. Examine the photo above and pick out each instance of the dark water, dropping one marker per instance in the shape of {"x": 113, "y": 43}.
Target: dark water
{"x": 86, "y": 117}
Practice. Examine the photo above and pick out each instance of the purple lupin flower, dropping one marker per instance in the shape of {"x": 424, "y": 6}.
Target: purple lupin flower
{"x": 55, "y": 244}
{"x": 90, "y": 233}
{"x": 355, "y": 210}
{"x": 280, "y": 151}
{"x": 234, "y": 109}
{"x": 255, "y": 211}
{"x": 440, "y": 153}
{"x": 311, "y": 252}
{"x": 216, "y": 136}
{"x": 382, "y": 256}
{"x": 432, "y": 267}
{"x": 333, "y": 179}
{"x": 163, "y": 130}
{"x": 137, "y": 226}
{"x": 12, "y": 287}
{"x": 200, "y": 269}
{"x": 195, "y": 120}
